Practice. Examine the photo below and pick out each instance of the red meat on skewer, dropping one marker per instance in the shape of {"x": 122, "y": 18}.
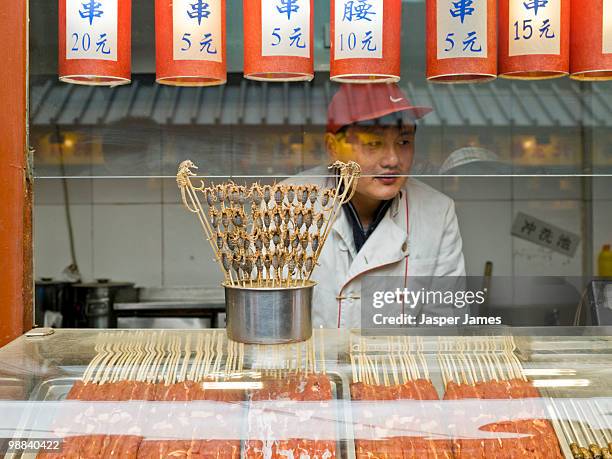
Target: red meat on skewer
{"x": 405, "y": 447}
{"x": 534, "y": 438}
{"x": 293, "y": 388}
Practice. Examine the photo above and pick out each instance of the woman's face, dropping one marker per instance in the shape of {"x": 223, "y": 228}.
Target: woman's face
{"x": 381, "y": 151}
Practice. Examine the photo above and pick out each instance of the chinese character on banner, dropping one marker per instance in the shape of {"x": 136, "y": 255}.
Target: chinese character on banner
{"x": 91, "y": 10}
{"x": 564, "y": 242}
{"x": 528, "y": 227}
{"x": 546, "y": 235}
{"x": 287, "y": 7}
{"x": 91, "y": 29}
{"x": 359, "y": 10}
{"x": 206, "y": 45}
{"x": 462, "y": 28}
{"x": 285, "y": 28}
{"x": 296, "y": 38}
{"x": 462, "y": 8}
{"x": 358, "y": 29}
{"x": 198, "y": 10}
{"x": 102, "y": 45}
{"x": 196, "y": 31}
{"x": 535, "y": 5}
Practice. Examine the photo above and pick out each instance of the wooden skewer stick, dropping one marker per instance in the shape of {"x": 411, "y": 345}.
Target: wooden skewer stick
{"x": 100, "y": 354}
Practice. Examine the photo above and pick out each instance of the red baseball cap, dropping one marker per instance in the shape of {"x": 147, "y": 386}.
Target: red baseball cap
{"x": 361, "y": 102}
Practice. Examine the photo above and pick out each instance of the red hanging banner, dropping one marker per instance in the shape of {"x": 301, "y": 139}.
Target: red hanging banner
{"x": 95, "y": 42}
{"x": 591, "y": 41}
{"x": 278, "y": 40}
{"x": 461, "y": 41}
{"x": 534, "y": 39}
{"x": 365, "y": 41}
{"x": 190, "y": 42}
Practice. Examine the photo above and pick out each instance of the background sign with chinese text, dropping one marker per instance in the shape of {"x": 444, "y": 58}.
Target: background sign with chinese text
{"x": 91, "y": 29}
{"x": 539, "y": 232}
{"x": 462, "y": 28}
{"x": 534, "y": 27}
{"x": 196, "y": 30}
{"x": 607, "y": 26}
{"x": 285, "y": 28}
{"x": 358, "y": 29}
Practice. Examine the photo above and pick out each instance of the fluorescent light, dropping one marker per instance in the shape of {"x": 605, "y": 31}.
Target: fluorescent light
{"x": 549, "y": 372}
{"x": 561, "y": 382}
{"x": 235, "y": 385}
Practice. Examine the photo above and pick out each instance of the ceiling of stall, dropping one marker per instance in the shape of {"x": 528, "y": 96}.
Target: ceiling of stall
{"x": 530, "y": 104}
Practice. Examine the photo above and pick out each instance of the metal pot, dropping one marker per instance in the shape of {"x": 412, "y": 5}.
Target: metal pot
{"x": 93, "y": 305}
{"x": 269, "y": 315}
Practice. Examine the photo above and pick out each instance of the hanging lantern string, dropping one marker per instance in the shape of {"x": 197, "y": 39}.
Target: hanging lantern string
{"x": 270, "y": 235}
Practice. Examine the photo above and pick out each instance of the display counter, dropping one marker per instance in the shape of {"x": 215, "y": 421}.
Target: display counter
{"x": 156, "y": 393}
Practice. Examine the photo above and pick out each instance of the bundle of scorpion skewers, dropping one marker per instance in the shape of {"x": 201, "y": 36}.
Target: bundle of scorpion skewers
{"x": 270, "y": 235}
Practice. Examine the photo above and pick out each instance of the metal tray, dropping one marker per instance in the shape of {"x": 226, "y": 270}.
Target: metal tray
{"x": 57, "y": 389}
{"x": 345, "y": 444}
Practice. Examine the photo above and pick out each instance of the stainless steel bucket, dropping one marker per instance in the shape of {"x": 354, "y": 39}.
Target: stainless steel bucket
{"x": 269, "y": 315}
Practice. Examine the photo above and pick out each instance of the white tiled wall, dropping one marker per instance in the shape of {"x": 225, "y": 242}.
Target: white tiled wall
{"x": 51, "y": 242}
{"x": 127, "y": 242}
{"x": 482, "y": 224}
{"x": 136, "y": 230}
{"x": 188, "y": 256}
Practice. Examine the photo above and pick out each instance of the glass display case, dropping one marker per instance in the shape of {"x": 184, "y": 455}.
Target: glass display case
{"x": 340, "y": 394}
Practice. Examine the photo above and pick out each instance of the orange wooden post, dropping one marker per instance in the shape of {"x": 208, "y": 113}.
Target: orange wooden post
{"x": 15, "y": 235}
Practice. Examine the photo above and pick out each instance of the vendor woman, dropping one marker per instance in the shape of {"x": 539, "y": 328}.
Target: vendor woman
{"x": 394, "y": 226}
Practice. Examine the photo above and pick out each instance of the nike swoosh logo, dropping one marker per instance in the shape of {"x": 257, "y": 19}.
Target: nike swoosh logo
{"x": 393, "y": 99}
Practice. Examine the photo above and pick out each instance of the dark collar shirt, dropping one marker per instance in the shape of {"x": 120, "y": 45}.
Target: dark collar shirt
{"x": 361, "y": 234}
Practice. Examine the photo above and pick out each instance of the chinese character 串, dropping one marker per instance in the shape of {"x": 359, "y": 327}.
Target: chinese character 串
{"x": 91, "y": 10}
{"x": 470, "y": 43}
{"x": 546, "y": 235}
{"x": 545, "y": 30}
{"x": 206, "y": 44}
{"x": 357, "y": 11}
{"x": 101, "y": 45}
{"x": 535, "y": 5}
{"x": 528, "y": 227}
{"x": 296, "y": 38}
{"x": 288, "y": 7}
{"x": 366, "y": 43}
{"x": 462, "y": 8}
{"x": 564, "y": 243}
{"x": 199, "y": 11}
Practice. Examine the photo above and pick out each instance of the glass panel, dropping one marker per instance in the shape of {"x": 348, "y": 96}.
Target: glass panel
{"x": 107, "y": 205}
{"x": 338, "y": 395}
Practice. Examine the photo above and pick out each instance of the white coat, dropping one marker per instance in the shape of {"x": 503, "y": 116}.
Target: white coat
{"x": 418, "y": 236}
